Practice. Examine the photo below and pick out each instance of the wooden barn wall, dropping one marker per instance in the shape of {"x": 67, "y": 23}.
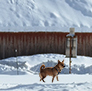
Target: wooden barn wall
{"x": 30, "y": 43}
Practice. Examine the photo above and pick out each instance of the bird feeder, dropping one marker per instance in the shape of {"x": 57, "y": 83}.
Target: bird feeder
{"x": 71, "y": 46}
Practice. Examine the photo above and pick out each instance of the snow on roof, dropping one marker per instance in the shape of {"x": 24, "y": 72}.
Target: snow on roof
{"x": 45, "y": 15}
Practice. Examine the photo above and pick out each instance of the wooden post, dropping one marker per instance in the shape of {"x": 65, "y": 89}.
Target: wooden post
{"x": 16, "y": 62}
{"x": 70, "y": 55}
{"x": 71, "y": 47}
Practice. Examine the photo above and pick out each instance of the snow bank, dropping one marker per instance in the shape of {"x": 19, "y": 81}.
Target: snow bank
{"x": 31, "y": 64}
{"x": 76, "y": 69}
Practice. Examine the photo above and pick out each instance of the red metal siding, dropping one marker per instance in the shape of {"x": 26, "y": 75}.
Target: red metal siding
{"x": 84, "y": 44}
{"x": 29, "y": 43}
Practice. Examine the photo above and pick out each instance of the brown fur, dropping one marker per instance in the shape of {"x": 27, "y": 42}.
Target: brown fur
{"x": 51, "y": 71}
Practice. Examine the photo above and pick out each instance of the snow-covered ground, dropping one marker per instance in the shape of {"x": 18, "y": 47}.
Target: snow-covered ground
{"x": 32, "y": 83}
{"x": 28, "y": 78}
{"x": 45, "y": 15}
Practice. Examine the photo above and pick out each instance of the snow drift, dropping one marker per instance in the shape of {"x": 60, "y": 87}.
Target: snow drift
{"x": 31, "y": 64}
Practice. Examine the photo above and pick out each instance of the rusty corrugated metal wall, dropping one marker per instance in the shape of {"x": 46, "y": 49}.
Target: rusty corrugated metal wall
{"x": 29, "y": 43}
{"x": 84, "y": 44}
